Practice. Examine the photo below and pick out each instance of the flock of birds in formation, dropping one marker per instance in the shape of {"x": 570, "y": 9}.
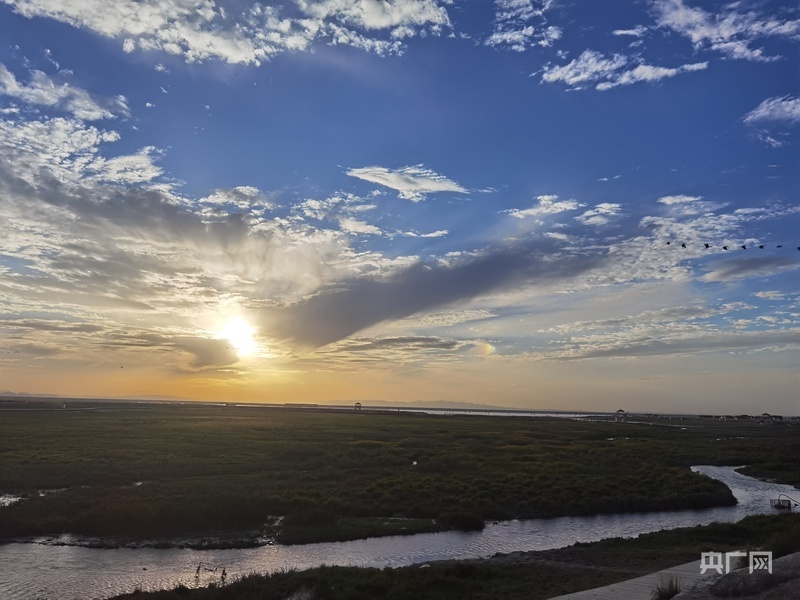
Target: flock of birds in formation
{"x": 743, "y": 246}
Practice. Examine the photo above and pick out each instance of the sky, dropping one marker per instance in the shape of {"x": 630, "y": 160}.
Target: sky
{"x": 523, "y": 203}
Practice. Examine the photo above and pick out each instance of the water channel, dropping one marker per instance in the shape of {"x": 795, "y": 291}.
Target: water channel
{"x": 42, "y": 570}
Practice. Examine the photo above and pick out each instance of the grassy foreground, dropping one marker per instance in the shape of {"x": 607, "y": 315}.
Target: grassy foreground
{"x": 529, "y": 576}
{"x": 134, "y": 471}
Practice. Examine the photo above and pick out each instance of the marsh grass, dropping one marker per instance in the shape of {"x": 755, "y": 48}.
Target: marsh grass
{"x": 666, "y": 588}
{"x": 208, "y": 469}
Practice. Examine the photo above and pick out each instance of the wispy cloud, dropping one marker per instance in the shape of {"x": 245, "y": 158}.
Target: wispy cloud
{"x": 247, "y": 34}
{"x": 412, "y": 183}
{"x": 56, "y": 92}
{"x": 730, "y": 32}
{"x": 679, "y": 199}
{"x": 607, "y": 72}
{"x": 782, "y": 109}
{"x": 663, "y": 343}
{"x": 355, "y": 226}
{"x": 600, "y": 214}
{"x": 547, "y": 205}
{"x": 637, "y": 31}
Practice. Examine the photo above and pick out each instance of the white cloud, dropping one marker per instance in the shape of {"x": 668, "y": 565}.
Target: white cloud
{"x": 589, "y": 67}
{"x": 730, "y": 32}
{"x": 412, "y": 183}
{"x": 547, "y": 205}
{"x": 44, "y": 90}
{"x": 679, "y": 199}
{"x": 69, "y": 150}
{"x": 520, "y": 40}
{"x": 637, "y": 31}
{"x": 239, "y": 198}
{"x": 370, "y": 15}
{"x": 129, "y": 169}
{"x": 771, "y": 295}
{"x": 648, "y": 73}
{"x": 784, "y": 109}
{"x": 433, "y": 234}
{"x": 593, "y": 67}
{"x": 351, "y": 225}
{"x": 331, "y": 208}
{"x": 513, "y": 26}
{"x": 199, "y": 30}
{"x": 600, "y": 214}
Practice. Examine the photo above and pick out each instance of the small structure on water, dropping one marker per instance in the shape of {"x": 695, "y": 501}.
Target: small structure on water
{"x": 783, "y": 502}
{"x": 357, "y": 406}
{"x": 620, "y": 416}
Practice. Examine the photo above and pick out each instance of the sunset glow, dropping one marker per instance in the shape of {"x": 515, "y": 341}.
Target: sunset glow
{"x": 532, "y": 204}
{"x": 240, "y": 334}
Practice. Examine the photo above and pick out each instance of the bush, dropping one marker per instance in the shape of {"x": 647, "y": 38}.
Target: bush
{"x": 666, "y": 588}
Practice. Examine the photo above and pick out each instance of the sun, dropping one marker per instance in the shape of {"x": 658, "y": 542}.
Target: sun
{"x": 240, "y": 335}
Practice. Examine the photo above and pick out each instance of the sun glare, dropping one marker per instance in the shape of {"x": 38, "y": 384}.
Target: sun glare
{"x": 240, "y": 334}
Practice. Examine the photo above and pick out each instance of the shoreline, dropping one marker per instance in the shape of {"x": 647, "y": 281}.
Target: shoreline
{"x": 536, "y": 574}
{"x": 234, "y": 540}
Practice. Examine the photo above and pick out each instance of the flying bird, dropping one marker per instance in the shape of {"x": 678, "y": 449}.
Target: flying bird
{"x": 761, "y": 247}
{"x": 683, "y": 245}
{"x": 707, "y": 246}
{"x": 724, "y": 247}
{"x": 744, "y": 247}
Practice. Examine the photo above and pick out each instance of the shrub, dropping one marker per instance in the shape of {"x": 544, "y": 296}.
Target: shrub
{"x": 666, "y": 588}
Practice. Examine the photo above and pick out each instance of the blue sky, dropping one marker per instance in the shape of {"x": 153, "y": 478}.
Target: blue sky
{"x": 343, "y": 200}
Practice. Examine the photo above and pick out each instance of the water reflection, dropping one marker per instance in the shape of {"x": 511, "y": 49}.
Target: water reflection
{"x": 44, "y": 571}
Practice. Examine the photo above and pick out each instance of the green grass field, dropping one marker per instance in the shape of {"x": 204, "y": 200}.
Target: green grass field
{"x": 160, "y": 471}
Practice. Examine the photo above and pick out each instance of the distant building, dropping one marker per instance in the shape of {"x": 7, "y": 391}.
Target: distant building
{"x": 621, "y": 416}
{"x": 357, "y": 406}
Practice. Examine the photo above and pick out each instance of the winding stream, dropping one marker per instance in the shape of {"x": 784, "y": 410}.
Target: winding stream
{"x": 37, "y": 570}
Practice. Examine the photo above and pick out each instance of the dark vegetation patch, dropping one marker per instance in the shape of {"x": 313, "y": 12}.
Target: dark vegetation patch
{"x": 155, "y": 471}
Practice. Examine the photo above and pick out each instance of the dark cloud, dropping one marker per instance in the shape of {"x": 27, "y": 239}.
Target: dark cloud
{"x": 207, "y": 352}
{"x": 353, "y": 305}
{"x": 739, "y": 268}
